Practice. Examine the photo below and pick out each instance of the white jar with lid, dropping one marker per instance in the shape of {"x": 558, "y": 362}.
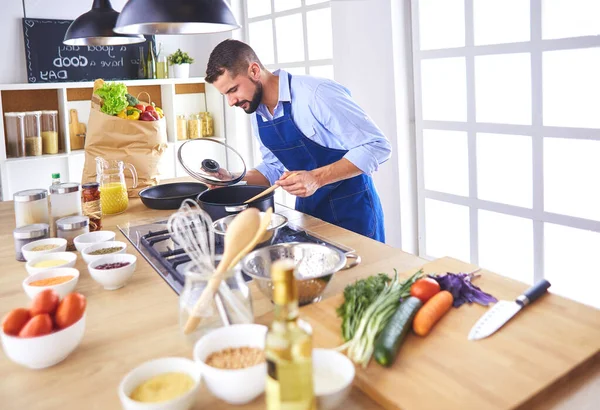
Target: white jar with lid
{"x": 65, "y": 200}
{"x": 31, "y": 207}
{"x": 70, "y": 227}
{"x": 26, "y": 234}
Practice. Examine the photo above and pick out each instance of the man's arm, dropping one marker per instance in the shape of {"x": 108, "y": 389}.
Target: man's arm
{"x": 254, "y": 177}
{"x": 305, "y": 183}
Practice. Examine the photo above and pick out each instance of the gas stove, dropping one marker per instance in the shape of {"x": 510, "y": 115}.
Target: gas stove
{"x": 153, "y": 241}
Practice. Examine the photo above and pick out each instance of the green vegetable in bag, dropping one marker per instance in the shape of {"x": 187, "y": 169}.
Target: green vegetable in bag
{"x": 114, "y": 97}
{"x": 131, "y": 100}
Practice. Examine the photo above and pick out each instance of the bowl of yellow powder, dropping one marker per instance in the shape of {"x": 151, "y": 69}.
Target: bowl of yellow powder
{"x": 50, "y": 261}
{"x": 168, "y": 383}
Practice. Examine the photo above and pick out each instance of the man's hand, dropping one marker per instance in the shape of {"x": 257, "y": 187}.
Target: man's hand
{"x": 303, "y": 184}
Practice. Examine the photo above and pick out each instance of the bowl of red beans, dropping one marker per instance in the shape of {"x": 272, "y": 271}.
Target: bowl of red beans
{"x": 113, "y": 271}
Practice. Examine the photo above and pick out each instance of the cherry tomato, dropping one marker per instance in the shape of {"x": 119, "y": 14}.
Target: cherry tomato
{"x": 70, "y": 310}
{"x": 150, "y": 108}
{"x": 39, "y": 325}
{"x": 140, "y": 107}
{"x": 44, "y": 302}
{"x": 424, "y": 289}
{"x": 14, "y": 321}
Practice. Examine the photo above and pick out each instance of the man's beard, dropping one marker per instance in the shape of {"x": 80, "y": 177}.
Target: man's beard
{"x": 256, "y": 98}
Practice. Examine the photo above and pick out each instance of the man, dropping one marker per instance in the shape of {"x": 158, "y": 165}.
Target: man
{"x": 314, "y": 129}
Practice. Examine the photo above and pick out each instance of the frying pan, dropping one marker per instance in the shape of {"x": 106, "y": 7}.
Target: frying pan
{"x": 170, "y": 196}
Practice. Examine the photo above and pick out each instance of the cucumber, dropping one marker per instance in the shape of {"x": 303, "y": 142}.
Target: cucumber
{"x": 393, "y": 334}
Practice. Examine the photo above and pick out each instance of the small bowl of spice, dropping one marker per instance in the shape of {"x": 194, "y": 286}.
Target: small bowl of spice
{"x": 232, "y": 361}
{"x": 49, "y": 261}
{"x": 60, "y": 280}
{"x": 98, "y": 250}
{"x": 169, "y": 383}
{"x": 91, "y": 238}
{"x": 43, "y": 246}
{"x": 113, "y": 271}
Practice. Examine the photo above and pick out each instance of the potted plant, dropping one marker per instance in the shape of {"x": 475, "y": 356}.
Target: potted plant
{"x": 180, "y": 61}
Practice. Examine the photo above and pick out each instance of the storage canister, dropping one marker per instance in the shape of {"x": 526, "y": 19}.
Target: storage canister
{"x": 182, "y": 133}
{"x": 194, "y": 125}
{"x": 91, "y": 205}
{"x": 26, "y": 234}
{"x": 65, "y": 200}
{"x": 31, "y": 207}
{"x": 33, "y": 133}
{"x": 50, "y": 132}
{"x": 15, "y": 134}
{"x": 70, "y": 227}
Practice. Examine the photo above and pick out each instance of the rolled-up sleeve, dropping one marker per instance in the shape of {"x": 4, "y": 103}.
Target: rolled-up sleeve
{"x": 270, "y": 166}
{"x": 335, "y": 109}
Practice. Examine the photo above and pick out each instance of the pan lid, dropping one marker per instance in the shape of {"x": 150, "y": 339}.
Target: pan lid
{"x": 211, "y": 161}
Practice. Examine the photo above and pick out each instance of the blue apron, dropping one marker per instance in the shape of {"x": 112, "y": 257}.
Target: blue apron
{"x": 352, "y": 203}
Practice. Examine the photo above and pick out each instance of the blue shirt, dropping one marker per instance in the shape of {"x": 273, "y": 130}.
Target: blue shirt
{"x": 325, "y": 113}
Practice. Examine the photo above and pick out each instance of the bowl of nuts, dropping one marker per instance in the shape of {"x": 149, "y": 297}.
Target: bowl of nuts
{"x": 113, "y": 271}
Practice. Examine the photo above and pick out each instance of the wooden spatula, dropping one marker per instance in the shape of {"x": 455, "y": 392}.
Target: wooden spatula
{"x": 267, "y": 191}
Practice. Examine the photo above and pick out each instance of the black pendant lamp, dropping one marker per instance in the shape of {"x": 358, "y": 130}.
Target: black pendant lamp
{"x": 175, "y": 17}
{"x": 95, "y": 28}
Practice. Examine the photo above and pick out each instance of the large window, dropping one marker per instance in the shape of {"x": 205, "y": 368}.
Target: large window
{"x": 294, "y": 35}
{"x": 508, "y": 137}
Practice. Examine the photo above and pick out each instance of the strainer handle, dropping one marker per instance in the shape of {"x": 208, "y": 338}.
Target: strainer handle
{"x": 355, "y": 260}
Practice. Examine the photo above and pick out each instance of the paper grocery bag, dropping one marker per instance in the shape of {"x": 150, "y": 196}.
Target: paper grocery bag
{"x": 140, "y": 143}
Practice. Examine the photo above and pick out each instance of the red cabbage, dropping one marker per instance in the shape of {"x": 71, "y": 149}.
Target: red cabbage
{"x": 459, "y": 284}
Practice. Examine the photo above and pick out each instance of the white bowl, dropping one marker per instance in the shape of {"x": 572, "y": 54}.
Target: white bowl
{"x": 153, "y": 368}
{"x": 68, "y": 257}
{"x": 235, "y": 386}
{"x": 28, "y": 253}
{"x": 84, "y": 240}
{"x": 333, "y": 374}
{"x": 101, "y": 245}
{"x": 112, "y": 279}
{"x": 43, "y": 351}
{"x": 63, "y": 289}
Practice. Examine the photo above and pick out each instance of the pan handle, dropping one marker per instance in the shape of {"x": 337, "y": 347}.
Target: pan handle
{"x": 237, "y": 208}
{"x": 356, "y": 260}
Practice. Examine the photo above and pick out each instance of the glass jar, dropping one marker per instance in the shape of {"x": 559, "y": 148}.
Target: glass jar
{"x": 91, "y": 205}
{"x": 65, "y": 200}
{"x": 194, "y": 126}
{"x": 50, "y": 132}
{"x": 71, "y": 227}
{"x": 208, "y": 125}
{"x": 15, "y": 134}
{"x": 31, "y": 207}
{"x": 232, "y": 303}
{"x": 182, "y": 133}
{"x": 33, "y": 133}
{"x": 26, "y": 234}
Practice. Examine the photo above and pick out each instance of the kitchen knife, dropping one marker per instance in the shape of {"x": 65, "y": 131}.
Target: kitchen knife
{"x": 504, "y": 310}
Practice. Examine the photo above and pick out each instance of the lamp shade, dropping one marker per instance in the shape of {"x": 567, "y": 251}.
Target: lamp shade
{"x": 95, "y": 28}
{"x": 175, "y": 17}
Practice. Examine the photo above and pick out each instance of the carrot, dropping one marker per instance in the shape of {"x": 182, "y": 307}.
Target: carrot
{"x": 432, "y": 312}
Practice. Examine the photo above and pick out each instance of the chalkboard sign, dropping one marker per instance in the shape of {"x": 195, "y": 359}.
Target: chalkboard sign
{"x": 49, "y": 60}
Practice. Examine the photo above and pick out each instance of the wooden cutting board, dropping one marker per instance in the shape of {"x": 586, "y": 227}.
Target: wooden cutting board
{"x": 542, "y": 344}
{"x": 77, "y": 131}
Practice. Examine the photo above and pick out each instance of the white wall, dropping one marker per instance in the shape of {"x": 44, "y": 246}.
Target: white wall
{"x": 11, "y": 30}
{"x": 364, "y": 61}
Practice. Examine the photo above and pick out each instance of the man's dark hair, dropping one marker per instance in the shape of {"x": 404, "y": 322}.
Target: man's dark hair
{"x": 231, "y": 55}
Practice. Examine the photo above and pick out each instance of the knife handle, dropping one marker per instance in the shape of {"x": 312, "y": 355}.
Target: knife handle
{"x": 533, "y": 293}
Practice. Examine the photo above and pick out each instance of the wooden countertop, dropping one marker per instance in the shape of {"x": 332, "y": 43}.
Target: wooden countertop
{"x": 140, "y": 322}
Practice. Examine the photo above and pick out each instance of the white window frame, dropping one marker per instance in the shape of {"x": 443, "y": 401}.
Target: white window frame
{"x": 538, "y": 132}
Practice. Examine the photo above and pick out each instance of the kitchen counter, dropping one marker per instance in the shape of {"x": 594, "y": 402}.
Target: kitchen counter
{"x": 139, "y": 322}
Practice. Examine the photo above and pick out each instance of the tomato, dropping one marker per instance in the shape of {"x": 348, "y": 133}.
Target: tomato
{"x": 44, "y": 302}
{"x": 70, "y": 310}
{"x": 14, "y": 321}
{"x": 39, "y": 325}
{"x": 424, "y": 289}
{"x": 150, "y": 108}
{"x": 140, "y": 107}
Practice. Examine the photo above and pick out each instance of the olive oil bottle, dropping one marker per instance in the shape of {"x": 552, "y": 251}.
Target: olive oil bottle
{"x": 288, "y": 347}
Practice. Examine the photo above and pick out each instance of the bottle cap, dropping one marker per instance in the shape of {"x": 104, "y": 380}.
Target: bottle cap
{"x": 55, "y": 176}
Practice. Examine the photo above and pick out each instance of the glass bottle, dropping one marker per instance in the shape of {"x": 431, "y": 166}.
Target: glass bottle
{"x": 288, "y": 347}
{"x": 150, "y": 62}
{"x": 91, "y": 205}
{"x": 55, "y": 179}
{"x": 142, "y": 68}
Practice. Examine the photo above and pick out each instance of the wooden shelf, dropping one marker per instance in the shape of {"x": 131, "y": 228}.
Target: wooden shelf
{"x": 90, "y": 84}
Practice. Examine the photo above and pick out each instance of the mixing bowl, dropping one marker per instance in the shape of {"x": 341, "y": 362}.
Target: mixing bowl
{"x": 277, "y": 222}
{"x": 315, "y": 267}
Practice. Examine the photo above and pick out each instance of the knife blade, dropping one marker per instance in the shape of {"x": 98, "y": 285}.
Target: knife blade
{"x": 504, "y": 310}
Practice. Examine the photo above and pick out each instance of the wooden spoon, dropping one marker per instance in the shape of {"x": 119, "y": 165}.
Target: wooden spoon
{"x": 267, "y": 191}
{"x": 240, "y": 233}
{"x": 264, "y": 225}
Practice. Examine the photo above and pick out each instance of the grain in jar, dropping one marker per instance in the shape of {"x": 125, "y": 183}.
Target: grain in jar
{"x": 182, "y": 133}
{"x": 26, "y": 234}
{"x": 208, "y": 125}
{"x": 15, "y": 134}
{"x": 65, "y": 200}
{"x": 31, "y": 207}
{"x": 194, "y": 126}
{"x": 91, "y": 205}
{"x": 70, "y": 227}
{"x": 50, "y": 132}
{"x": 33, "y": 134}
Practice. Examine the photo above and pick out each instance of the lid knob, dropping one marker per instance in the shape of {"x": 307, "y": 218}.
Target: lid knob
{"x": 210, "y": 165}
